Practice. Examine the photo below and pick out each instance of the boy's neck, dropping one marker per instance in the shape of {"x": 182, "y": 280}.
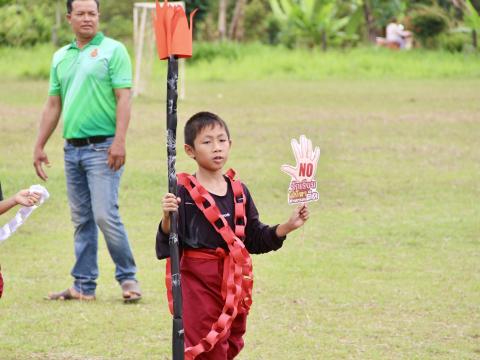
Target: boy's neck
{"x": 213, "y": 182}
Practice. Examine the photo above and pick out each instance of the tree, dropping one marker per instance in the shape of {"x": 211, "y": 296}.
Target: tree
{"x": 259, "y": 22}
{"x": 236, "y": 29}
{"x": 203, "y": 7}
{"x": 313, "y": 22}
{"x": 22, "y": 26}
{"x": 428, "y": 22}
{"x": 471, "y": 18}
{"x": 222, "y": 19}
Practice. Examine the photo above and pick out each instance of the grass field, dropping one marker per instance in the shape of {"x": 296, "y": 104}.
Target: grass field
{"x": 387, "y": 268}
{"x": 234, "y": 62}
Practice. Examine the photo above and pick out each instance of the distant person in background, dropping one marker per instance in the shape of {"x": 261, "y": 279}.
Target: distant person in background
{"x": 397, "y": 36}
{"x": 90, "y": 81}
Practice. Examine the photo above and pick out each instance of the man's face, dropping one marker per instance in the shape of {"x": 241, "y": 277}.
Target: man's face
{"x": 84, "y": 18}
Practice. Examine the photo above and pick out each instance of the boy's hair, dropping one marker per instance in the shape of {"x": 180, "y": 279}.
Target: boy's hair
{"x": 70, "y": 6}
{"x": 200, "y": 121}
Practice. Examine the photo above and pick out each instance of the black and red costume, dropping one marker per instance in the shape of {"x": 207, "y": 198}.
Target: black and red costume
{"x": 204, "y": 268}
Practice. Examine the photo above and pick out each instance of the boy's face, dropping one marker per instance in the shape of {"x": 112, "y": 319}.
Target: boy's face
{"x": 211, "y": 148}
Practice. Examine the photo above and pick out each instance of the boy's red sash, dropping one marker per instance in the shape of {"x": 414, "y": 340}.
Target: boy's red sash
{"x": 238, "y": 275}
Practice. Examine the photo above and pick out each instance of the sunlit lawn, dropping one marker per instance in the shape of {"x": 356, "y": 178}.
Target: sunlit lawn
{"x": 387, "y": 268}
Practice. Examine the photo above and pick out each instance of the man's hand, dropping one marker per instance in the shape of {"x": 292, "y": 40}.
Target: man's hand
{"x": 40, "y": 157}
{"x": 48, "y": 123}
{"x": 116, "y": 155}
{"x": 306, "y": 158}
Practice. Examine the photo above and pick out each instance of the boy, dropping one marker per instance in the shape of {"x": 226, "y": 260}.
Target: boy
{"x": 215, "y": 266}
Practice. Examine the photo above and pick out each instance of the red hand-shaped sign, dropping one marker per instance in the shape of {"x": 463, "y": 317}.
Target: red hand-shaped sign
{"x": 303, "y": 185}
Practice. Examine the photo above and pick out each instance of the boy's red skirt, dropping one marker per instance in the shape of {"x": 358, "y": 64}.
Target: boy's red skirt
{"x": 202, "y": 305}
{"x": 1, "y": 282}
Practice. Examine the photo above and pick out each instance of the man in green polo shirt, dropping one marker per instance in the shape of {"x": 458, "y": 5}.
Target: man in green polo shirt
{"x": 90, "y": 83}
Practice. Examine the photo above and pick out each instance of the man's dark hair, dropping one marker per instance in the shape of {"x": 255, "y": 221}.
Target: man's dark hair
{"x": 70, "y": 6}
{"x": 200, "y": 121}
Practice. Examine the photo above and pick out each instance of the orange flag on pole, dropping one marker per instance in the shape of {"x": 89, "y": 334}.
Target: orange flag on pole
{"x": 174, "y": 36}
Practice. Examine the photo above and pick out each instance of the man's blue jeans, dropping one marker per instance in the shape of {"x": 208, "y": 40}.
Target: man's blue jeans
{"x": 92, "y": 189}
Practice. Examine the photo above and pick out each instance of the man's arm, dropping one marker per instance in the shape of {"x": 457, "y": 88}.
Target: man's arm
{"x": 117, "y": 152}
{"x": 48, "y": 123}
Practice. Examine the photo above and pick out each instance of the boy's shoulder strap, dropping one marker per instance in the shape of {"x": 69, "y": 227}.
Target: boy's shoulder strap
{"x": 182, "y": 178}
{"x": 240, "y": 204}
{"x": 199, "y": 195}
{"x": 231, "y": 174}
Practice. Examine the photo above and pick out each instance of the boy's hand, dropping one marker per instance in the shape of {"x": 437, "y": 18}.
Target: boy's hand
{"x": 27, "y": 198}
{"x": 298, "y": 218}
{"x": 169, "y": 203}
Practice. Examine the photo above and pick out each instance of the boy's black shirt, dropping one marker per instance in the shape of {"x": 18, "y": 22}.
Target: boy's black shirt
{"x": 195, "y": 232}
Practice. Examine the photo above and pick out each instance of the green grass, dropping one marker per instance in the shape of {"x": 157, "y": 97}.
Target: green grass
{"x": 26, "y": 63}
{"x": 387, "y": 267}
{"x": 227, "y": 62}
{"x": 262, "y": 62}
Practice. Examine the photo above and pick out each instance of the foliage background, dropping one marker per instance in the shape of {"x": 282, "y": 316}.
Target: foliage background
{"x": 298, "y": 23}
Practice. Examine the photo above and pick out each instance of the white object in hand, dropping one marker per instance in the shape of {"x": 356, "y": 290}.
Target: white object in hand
{"x": 8, "y": 229}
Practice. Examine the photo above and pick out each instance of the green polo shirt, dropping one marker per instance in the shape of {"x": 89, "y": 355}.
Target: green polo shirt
{"x": 85, "y": 80}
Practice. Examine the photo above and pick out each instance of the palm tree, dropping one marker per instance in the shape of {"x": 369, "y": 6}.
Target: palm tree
{"x": 314, "y": 21}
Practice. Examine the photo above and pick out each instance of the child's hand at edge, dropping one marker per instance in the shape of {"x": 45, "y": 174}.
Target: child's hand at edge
{"x": 27, "y": 198}
{"x": 297, "y": 219}
{"x": 169, "y": 204}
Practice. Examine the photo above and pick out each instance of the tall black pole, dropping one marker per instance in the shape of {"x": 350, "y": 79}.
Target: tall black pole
{"x": 172, "y": 95}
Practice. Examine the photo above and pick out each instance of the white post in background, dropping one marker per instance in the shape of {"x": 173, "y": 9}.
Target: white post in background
{"x": 135, "y": 26}
{"x": 140, "y": 36}
{"x": 138, "y": 86}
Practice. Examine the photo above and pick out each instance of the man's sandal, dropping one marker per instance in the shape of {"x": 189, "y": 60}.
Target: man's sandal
{"x": 70, "y": 294}
{"x": 131, "y": 291}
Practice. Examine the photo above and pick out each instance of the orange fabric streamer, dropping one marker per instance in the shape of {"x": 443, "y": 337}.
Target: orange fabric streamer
{"x": 174, "y": 36}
